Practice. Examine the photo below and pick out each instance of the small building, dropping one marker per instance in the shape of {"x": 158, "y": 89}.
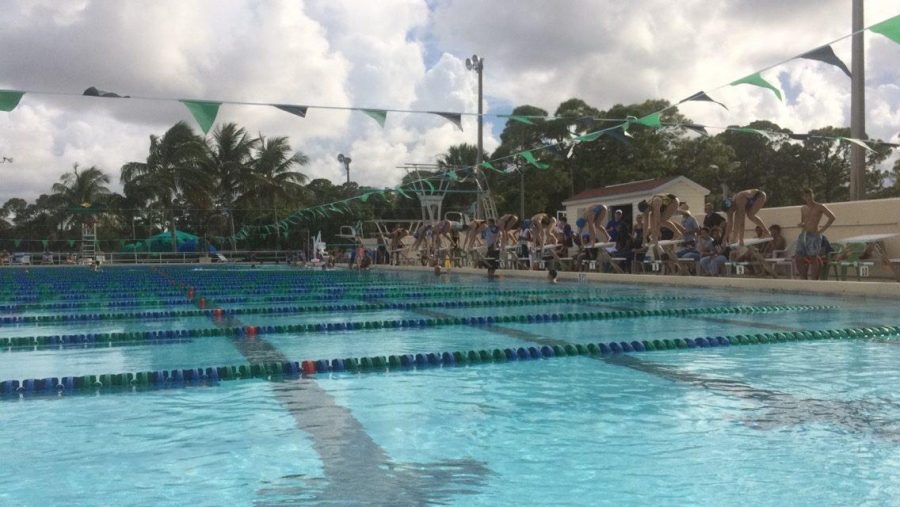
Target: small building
{"x": 626, "y": 196}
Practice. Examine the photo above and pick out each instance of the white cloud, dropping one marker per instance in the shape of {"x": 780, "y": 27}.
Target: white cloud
{"x": 373, "y": 54}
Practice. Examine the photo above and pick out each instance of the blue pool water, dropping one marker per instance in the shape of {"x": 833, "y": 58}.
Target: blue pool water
{"x": 800, "y": 423}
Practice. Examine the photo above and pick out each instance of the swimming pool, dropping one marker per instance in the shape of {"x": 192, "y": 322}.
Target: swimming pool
{"x": 124, "y": 391}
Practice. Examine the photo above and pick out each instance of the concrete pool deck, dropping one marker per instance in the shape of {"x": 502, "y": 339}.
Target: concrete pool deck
{"x": 879, "y": 289}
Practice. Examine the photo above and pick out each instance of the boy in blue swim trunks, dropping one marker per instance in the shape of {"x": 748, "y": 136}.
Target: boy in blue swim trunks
{"x": 810, "y": 253}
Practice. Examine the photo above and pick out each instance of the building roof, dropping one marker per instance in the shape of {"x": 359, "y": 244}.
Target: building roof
{"x": 632, "y": 187}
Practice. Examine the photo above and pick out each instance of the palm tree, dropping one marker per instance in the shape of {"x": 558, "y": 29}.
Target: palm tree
{"x": 173, "y": 172}
{"x": 271, "y": 179}
{"x": 228, "y": 160}
{"x": 77, "y": 191}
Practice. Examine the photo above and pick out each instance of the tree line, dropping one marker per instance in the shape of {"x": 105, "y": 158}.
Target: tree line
{"x": 214, "y": 186}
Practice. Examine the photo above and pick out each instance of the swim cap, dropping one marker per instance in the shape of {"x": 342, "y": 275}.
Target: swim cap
{"x": 526, "y": 223}
{"x": 581, "y": 222}
{"x": 643, "y": 206}
{"x": 726, "y": 204}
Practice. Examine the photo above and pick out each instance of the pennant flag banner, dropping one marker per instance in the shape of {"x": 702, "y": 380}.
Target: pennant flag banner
{"x": 451, "y": 174}
{"x": 858, "y": 143}
{"x": 17, "y": 242}
{"x": 488, "y": 165}
{"x": 591, "y": 137}
{"x": 9, "y": 99}
{"x": 651, "y": 120}
{"x": 295, "y": 110}
{"x": 521, "y": 119}
{"x": 378, "y": 115}
{"x": 757, "y": 80}
{"x": 529, "y": 157}
{"x": 889, "y": 28}
{"x": 702, "y": 96}
{"x": 204, "y": 112}
{"x": 46, "y": 243}
{"x": 454, "y": 118}
{"x": 620, "y": 134}
{"x": 71, "y": 243}
{"x": 826, "y": 54}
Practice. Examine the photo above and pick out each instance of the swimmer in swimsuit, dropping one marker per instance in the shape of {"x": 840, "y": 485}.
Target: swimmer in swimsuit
{"x": 744, "y": 204}
{"x": 508, "y": 226}
{"x": 810, "y": 253}
{"x": 473, "y": 234}
{"x": 543, "y": 228}
{"x": 422, "y": 235}
{"x": 658, "y": 213}
{"x": 593, "y": 219}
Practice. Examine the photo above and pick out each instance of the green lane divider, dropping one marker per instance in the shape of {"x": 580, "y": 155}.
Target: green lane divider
{"x": 163, "y": 314}
{"x": 273, "y": 370}
{"x": 99, "y": 338}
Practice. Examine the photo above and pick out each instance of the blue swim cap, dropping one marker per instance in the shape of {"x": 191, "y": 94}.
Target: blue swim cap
{"x": 581, "y": 222}
{"x": 726, "y": 204}
{"x": 526, "y": 223}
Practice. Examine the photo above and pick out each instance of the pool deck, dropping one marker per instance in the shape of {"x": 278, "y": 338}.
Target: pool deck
{"x": 880, "y": 289}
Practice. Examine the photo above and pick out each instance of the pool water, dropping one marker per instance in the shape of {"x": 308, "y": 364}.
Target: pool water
{"x": 800, "y": 422}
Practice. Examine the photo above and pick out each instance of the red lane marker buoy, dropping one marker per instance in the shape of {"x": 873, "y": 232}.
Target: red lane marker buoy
{"x": 191, "y": 294}
{"x": 218, "y": 312}
{"x": 202, "y": 303}
{"x": 308, "y": 367}
{"x": 250, "y": 330}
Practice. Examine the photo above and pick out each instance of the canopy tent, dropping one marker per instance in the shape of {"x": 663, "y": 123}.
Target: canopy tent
{"x": 162, "y": 242}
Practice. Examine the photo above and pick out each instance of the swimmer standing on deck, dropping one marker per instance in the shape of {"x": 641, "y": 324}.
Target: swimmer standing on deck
{"x": 810, "y": 252}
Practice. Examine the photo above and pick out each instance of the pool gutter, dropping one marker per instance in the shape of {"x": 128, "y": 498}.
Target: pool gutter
{"x": 827, "y": 287}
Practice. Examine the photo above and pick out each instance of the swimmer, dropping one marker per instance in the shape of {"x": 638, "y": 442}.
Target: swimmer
{"x": 743, "y": 205}
{"x": 396, "y": 238}
{"x": 508, "y": 226}
{"x": 593, "y": 219}
{"x": 473, "y": 233}
{"x": 543, "y": 231}
{"x": 445, "y": 229}
{"x": 422, "y": 235}
{"x": 658, "y": 212}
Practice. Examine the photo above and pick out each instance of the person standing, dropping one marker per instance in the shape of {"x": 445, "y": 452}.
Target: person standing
{"x": 612, "y": 227}
{"x": 492, "y": 241}
{"x": 810, "y": 248}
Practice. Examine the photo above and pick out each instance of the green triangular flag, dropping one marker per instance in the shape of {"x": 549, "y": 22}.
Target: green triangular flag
{"x": 451, "y": 175}
{"x": 858, "y": 143}
{"x": 71, "y": 243}
{"x": 488, "y": 165}
{"x": 9, "y": 99}
{"x": 204, "y": 112}
{"x": 378, "y": 115}
{"x": 17, "y": 242}
{"x": 651, "y": 120}
{"x": 587, "y": 138}
{"x": 529, "y": 157}
{"x": 46, "y": 243}
{"x": 757, "y": 80}
{"x": 521, "y": 119}
{"x": 889, "y": 28}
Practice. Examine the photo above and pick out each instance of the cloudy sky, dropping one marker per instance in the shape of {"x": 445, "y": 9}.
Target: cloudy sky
{"x": 406, "y": 54}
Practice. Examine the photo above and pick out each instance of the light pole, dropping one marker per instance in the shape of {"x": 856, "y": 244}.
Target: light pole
{"x": 477, "y": 64}
{"x": 346, "y": 161}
